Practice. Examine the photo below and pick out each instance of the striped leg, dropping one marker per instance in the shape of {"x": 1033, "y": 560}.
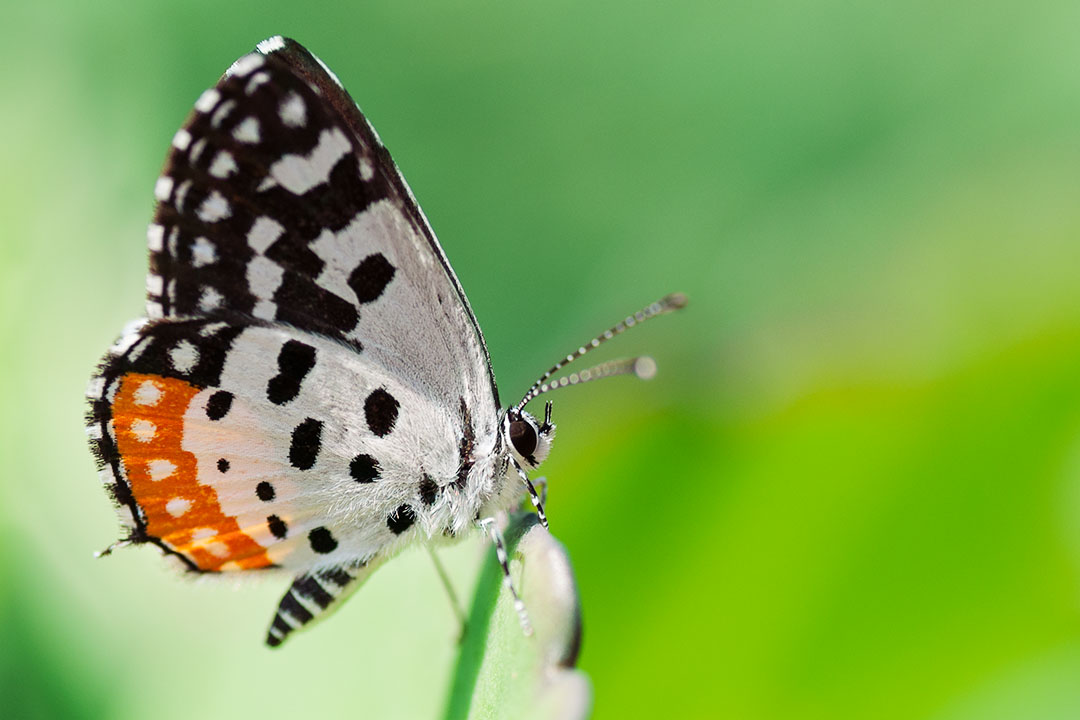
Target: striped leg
{"x": 492, "y": 528}
{"x": 536, "y": 501}
{"x": 541, "y": 485}
{"x": 312, "y": 597}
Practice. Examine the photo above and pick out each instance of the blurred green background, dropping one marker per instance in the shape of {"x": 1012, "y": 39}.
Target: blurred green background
{"x": 853, "y": 491}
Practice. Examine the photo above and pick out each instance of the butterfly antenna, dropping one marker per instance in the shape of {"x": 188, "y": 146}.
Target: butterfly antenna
{"x": 644, "y": 367}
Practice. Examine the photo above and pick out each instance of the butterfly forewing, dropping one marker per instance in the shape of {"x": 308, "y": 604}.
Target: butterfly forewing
{"x": 278, "y": 201}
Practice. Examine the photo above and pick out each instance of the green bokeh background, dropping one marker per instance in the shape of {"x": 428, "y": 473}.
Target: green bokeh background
{"x": 853, "y": 491}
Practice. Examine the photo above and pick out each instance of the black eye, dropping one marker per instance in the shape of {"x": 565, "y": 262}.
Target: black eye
{"x": 524, "y": 437}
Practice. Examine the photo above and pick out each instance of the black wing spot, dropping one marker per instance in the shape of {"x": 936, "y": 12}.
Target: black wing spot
{"x": 364, "y": 468}
{"x": 428, "y": 490}
{"x": 265, "y": 491}
{"x": 322, "y": 541}
{"x": 381, "y": 411}
{"x": 219, "y": 404}
{"x": 278, "y": 528}
{"x": 401, "y": 519}
{"x": 223, "y": 465}
{"x": 304, "y": 303}
{"x": 305, "y": 445}
{"x": 295, "y": 361}
{"x": 370, "y": 278}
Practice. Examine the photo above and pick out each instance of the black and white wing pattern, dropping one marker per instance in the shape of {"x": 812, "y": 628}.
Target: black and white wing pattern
{"x": 310, "y": 390}
{"x": 279, "y": 201}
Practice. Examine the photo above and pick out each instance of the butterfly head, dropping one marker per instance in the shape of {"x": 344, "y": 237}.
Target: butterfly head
{"x": 528, "y": 439}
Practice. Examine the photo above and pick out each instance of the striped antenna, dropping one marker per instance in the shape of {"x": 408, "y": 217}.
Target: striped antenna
{"x": 643, "y": 366}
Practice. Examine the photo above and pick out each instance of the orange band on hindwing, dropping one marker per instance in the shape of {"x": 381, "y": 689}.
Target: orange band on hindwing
{"x": 148, "y": 422}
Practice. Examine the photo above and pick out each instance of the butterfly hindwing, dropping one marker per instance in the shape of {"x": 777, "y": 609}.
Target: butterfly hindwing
{"x": 235, "y": 444}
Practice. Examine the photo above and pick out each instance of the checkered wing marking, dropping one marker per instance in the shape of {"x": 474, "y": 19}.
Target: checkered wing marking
{"x": 242, "y": 445}
{"x": 279, "y": 202}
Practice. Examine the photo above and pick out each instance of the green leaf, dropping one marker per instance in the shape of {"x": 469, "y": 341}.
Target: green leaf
{"x": 500, "y": 671}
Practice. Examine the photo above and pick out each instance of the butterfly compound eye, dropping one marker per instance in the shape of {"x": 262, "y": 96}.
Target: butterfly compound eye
{"x": 523, "y": 436}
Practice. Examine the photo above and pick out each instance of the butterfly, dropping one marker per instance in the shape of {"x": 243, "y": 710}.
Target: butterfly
{"x": 309, "y": 390}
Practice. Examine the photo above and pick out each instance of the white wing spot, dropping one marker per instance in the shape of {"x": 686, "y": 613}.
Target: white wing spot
{"x": 154, "y": 284}
{"x": 181, "y": 195}
{"x": 256, "y": 80}
{"x": 223, "y": 165}
{"x": 221, "y": 113}
{"x": 147, "y": 394}
{"x": 144, "y": 430}
{"x": 269, "y": 45}
{"x": 95, "y": 387}
{"x": 217, "y": 549}
{"x": 367, "y": 170}
{"x": 155, "y": 238}
{"x": 181, "y": 139}
{"x": 177, "y": 506}
{"x": 203, "y": 253}
{"x": 263, "y": 278}
{"x": 210, "y": 299}
{"x": 264, "y": 231}
{"x": 264, "y": 310}
{"x": 246, "y": 64}
{"x": 214, "y": 208}
{"x": 183, "y": 356}
{"x": 160, "y": 469}
{"x": 293, "y": 112}
{"x": 212, "y": 329}
{"x": 196, "y": 150}
{"x": 203, "y": 534}
{"x": 298, "y": 174}
{"x": 110, "y": 393}
{"x": 163, "y": 188}
{"x": 128, "y": 337}
{"x": 247, "y": 131}
{"x": 154, "y": 310}
{"x": 207, "y": 100}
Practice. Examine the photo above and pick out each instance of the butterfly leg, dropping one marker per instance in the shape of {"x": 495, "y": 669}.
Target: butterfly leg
{"x": 541, "y": 486}
{"x": 492, "y": 528}
{"x": 537, "y": 502}
{"x": 541, "y": 489}
{"x": 458, "y": 612}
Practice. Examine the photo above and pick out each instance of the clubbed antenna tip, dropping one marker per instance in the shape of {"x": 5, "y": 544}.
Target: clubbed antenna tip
{"x": 643, "y": 367}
